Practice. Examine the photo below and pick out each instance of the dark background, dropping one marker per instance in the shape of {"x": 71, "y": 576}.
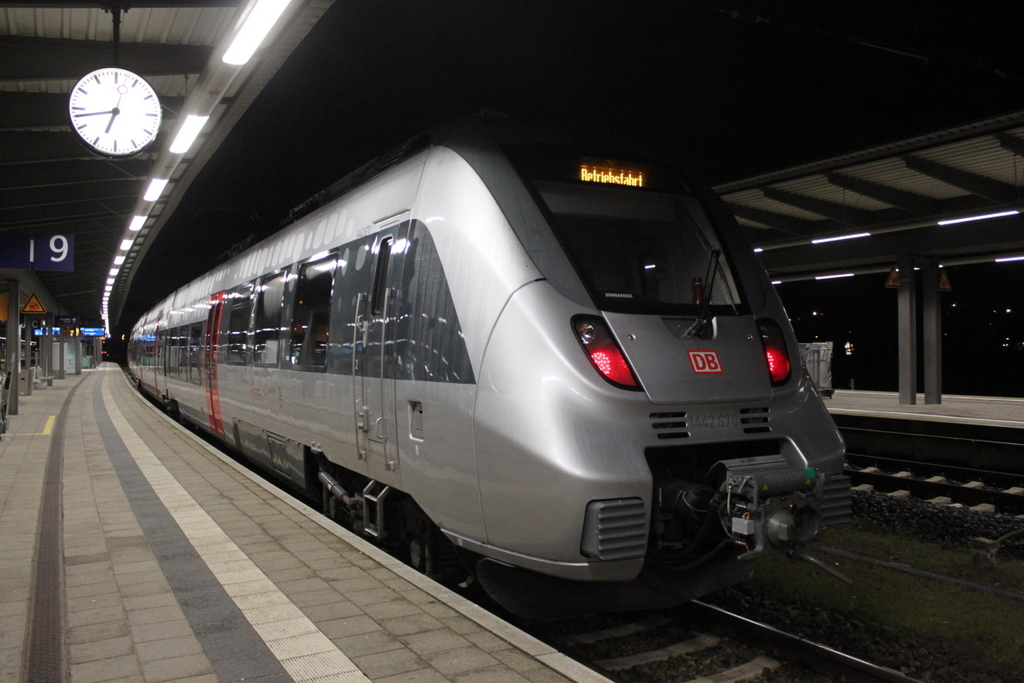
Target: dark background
{"x": 732, "y": 89}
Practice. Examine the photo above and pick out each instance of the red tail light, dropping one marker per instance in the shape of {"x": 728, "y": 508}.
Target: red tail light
{"x": 775, "y": 353}
{"x": 603, "y": 352}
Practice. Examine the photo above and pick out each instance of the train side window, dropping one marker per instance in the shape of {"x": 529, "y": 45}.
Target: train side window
{"x": 311, "y": 313}
{"x": 182, "y": 369}
{"x": 173, "y": 351}
{"x": 267, "y": 318}
{"x": 234, "y": 325}
{"x": 380, "y": 278}
{"x": 195, "y": 354}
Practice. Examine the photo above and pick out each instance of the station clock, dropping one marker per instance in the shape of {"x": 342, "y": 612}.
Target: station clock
{"x": 115, "y": 112}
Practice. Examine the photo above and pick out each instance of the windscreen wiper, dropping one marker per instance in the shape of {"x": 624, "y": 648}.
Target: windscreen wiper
{"x": 703, "y": 314}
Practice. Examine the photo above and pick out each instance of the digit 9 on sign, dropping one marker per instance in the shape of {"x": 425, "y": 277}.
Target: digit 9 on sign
{"x": 59, "y": 247}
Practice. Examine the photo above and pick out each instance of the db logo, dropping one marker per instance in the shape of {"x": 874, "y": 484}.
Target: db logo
{"x": 705, "y": 362}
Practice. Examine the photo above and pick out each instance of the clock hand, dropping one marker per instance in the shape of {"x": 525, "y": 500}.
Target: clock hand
{"x": 113, "y": 114}
{"x": 121, "y": 90}
{"x": 95, "y": 113}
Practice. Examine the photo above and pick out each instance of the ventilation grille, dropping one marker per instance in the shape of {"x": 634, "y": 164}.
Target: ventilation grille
{"x": 670, "y": 425}
{"x": 836, "y": 500}
{"x": 755, "y": 420}
{"x": 615, "y": 529}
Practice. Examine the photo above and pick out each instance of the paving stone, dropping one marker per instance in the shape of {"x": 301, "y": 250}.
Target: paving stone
{"x": 440, "y": 640}
{"x": 105, "y": 669}
{"x": 389, "y": 663}
{"x": 462, "y": 660}
{"x": 369, "y": 643}
{"x": 168, "y": 647}
{"x": 496, "y": 674}
{"x": 100, "y": 649}
{"x": 173, "y": 668}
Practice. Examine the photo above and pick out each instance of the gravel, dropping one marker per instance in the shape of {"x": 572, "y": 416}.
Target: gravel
{"x": 946, "y": 524}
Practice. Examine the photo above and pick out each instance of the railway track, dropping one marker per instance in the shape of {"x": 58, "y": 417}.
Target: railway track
{"x": 700, "y": 643}
{"x": 944, "y": 484}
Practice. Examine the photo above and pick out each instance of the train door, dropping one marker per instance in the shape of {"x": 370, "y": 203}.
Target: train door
{"x": 373, "y": 361}
{"x": 211, "y": 343}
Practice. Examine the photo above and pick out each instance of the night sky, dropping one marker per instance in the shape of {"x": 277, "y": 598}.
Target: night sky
{"x": 731, "y": 89}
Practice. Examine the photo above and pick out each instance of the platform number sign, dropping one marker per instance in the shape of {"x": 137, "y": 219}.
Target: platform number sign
{"x": 38, "y": 252}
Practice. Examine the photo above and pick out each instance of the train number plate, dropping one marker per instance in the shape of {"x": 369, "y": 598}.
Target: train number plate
{"x": 705, "y": 362}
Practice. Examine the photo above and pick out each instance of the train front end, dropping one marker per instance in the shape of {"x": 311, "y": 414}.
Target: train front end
{"x": 646, "y": 430}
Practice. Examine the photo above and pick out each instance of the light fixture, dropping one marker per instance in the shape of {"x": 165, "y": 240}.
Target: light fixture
{"x": 114, "y": 271}
{"x": 126, "y": 244}
{"x": 155, "y": 189}
{"x": 841, "y": 237}
{"x": 968, "y": 219}
{"x": 833, "y": 277}
{"x": 188, "y": 133}
{"x": 255, "y": 27}
{"x": 758, "y": 250}
{"x": 137, "y": 223}
{"x": 118, "y": 260}
{"x": 111, "y": 280}
{"x": 1010, "y": 258}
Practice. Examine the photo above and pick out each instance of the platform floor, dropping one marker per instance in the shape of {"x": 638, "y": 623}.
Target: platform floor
{"x": 132, "y": 551}
{"x": 974, "y": 410}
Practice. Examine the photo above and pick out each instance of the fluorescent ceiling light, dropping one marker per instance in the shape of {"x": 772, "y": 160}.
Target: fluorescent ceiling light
{"x": 776, "y": 282}
{"x": 968, "y": 219}
{"x": 126, "y": 244}
{"x": 188, "y": 133}
{"x": 118, "y": 260}
{"x": 155, "y": 189}
{"x": 255, "y": 27}
{"x": 111, "y": 280}
{"x": 115, "y": 271}
{"x": 1010, "y": 258}
{"x": 841, "y": 237}
{"x": 758, "y": 250}
{"x": 833, "y": 277}
{"x": 137, "y": 222}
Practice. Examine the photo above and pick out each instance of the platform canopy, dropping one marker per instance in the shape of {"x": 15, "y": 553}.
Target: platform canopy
{"x": 859, "y": 212}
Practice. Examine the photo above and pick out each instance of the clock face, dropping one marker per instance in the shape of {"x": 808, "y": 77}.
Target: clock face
{"x": 114, "y": 111}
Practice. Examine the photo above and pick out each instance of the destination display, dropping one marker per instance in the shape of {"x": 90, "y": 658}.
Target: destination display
{"x": 612, "y": 176}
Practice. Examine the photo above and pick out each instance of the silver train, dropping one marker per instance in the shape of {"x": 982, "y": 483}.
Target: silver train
{"x": 533, "y": 357}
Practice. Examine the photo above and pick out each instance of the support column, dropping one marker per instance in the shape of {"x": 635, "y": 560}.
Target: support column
{"x": 25, "y": 342}
{"x": 13, "y": 344}
{"x": 907, "y": 330}
{"x": 932, "y": 330}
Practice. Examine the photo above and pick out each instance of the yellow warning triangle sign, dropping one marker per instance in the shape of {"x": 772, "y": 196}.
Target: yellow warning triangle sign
{"x": 894, "y": 279}
{"x": 944, "y": 284}
{"x": 34, "y": 305}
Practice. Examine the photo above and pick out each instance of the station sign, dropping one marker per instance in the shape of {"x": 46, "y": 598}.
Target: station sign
{"x": 65, "y": 320}
{"x": 24, "y": 251}
{"x": 92, "y": 332}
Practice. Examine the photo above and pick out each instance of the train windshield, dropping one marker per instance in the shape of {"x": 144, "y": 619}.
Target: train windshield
{"x": 640, "y": 241}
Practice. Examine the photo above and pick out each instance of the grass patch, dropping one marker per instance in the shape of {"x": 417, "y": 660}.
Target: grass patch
{"x": 977, "y": 626}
